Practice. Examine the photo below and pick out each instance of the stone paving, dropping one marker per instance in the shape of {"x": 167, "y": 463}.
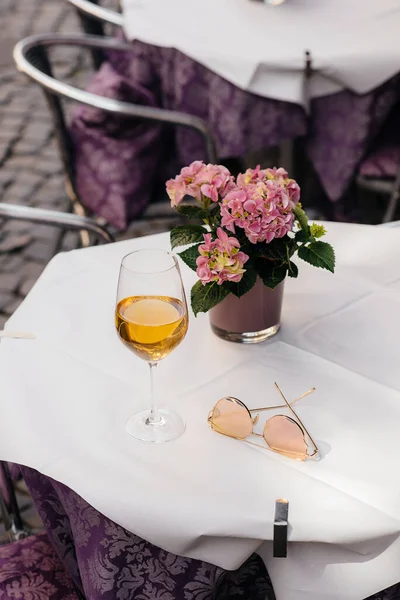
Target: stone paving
{"x": 30, "y": 168}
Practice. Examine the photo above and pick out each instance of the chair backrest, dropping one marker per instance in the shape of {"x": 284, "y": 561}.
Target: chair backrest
{"x": 93, "y": 17}
{"x": 32, "y": 58}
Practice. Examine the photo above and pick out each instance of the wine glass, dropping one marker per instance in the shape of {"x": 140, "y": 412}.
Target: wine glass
{"x": 151, "y": 318}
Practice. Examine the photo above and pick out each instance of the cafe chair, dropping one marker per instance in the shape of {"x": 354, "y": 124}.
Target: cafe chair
{"x": 379, "y": 172}
{"x": 29, "y": 565}
{"x": 32, "y": 58}
{"x": 93, "y": 18}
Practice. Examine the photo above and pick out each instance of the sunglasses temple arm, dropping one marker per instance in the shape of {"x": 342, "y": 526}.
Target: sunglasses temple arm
{"x": 284, "y": 405}
{"x": 298, "y": 418}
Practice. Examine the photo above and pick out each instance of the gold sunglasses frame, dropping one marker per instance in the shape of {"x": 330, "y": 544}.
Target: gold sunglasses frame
{"x": 254, "y": 421}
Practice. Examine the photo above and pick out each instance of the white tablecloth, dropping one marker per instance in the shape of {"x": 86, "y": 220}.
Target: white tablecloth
{"x": 72, "y": 389}
{"x": 261, "y": 48}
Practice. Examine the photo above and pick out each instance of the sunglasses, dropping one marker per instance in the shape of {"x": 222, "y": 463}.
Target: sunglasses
{"x": 282, "y": 434}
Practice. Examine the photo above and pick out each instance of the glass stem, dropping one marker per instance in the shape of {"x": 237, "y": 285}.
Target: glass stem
{"x": 153, "y": 418}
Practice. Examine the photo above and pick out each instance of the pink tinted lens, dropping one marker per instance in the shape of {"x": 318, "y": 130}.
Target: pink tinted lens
{"x": 285, "y": 436}
{"x": 232, "y": 418}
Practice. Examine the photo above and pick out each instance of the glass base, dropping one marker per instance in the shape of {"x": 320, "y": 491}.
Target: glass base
{"x": 249, "y": 337}
{"x": 169, "y": 427}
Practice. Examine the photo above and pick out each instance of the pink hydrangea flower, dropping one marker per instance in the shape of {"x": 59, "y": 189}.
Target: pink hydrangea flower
{"x": 280, "y": 176}
{"x": 201, "y": 182}
{"x": 215, "y": 181}
{"x": 220, "y": 259}
{"x": 250, "y": 176}
{"x": 263, "y": 210}
{"x": 261, "y": 204}
{"x": 183, "y": 184}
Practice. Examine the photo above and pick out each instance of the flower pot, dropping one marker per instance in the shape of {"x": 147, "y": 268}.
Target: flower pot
{"x": 252, "y": 318}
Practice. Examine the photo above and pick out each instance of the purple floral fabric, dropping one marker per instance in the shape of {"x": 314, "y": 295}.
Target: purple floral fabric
{"x": 343, "y": 129}
{"x": 383, "y": 160}
{"x": 31, "y": 570}
{"x": 118, "y": 161}
{"x": 106, "y": 562}
{"x": 115, "y": 158}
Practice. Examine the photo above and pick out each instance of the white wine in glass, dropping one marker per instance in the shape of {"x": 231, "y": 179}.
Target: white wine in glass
{"x": 151, "y": 318}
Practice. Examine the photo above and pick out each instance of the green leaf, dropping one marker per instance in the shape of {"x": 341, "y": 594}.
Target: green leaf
{"x": 317, "y": 230}
{"x": 270, "y": 273}
{"x": 204, "y": 297}
{"x": 186, "y": 234}
{"x": 245, "y": 284}
{"x": 293, "y": 270}
{"x": 302, "y": 236}
{"x": 319, "y": 254}
{"x": 276, "y": 250}
{"x": 190, "y": 255}
{"x": 191, "y": 211}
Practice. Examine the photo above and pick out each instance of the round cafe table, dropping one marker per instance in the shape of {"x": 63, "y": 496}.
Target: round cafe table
{"x": 206, "y": 496}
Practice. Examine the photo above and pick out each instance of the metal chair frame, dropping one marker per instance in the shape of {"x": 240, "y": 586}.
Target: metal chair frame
{"x": 31, "y": 57}
{"x": 99, "y": 13}
{"x": 68, "y": 221}
{"x": 93, "y": 18}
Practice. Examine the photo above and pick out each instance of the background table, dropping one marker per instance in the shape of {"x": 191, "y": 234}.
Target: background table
{"x": 247, "y": 82}
{"x": 205, "y": 496}
{"x": 260, "y": 48}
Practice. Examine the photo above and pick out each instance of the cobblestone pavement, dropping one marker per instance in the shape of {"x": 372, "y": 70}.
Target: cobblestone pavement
{"x": 30, "y": 169}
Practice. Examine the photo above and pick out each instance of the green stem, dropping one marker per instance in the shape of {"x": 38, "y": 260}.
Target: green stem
{"x": 288, "y": 259}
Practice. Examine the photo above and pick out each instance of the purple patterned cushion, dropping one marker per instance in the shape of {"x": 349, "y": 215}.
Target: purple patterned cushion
{"x": 114, "y": 176}
{"x": 383, "y": 161}
{"x": 31, "y": 570}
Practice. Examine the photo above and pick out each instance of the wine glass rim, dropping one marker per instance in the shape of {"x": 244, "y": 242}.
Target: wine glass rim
{"x": 152, "y": 272}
